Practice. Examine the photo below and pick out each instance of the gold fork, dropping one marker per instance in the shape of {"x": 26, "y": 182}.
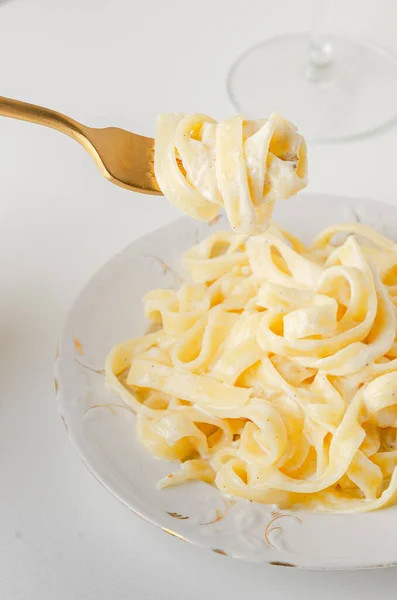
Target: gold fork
{"x": 124, "y": 158}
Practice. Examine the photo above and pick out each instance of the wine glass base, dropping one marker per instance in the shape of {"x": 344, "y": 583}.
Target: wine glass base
{"x": 354, "y": 96}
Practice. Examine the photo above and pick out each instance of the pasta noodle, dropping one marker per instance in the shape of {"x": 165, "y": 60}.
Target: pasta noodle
{"x": 244, "y": 166}
{"x": 273, "y": 372}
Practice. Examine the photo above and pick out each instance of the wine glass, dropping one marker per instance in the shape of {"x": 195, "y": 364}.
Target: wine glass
{"x": 333, "y": 88}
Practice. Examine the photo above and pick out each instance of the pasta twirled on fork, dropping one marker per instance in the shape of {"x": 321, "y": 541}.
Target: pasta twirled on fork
{"x": 244, "y": 166}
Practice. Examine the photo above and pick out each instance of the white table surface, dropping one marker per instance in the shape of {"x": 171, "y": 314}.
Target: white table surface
{"x": 62, "y": 535}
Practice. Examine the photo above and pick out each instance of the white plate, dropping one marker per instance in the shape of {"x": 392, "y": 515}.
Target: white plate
{"x": 109, "y": 310}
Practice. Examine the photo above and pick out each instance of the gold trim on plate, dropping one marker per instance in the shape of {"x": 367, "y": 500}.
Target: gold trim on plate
{"x": 218, "y": 551}
{"x": 177, "y": 535}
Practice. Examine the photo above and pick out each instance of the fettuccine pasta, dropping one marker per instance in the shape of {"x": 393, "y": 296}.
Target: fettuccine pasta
{"x": 243, "y": 166}
{"x": 272, "y": 372}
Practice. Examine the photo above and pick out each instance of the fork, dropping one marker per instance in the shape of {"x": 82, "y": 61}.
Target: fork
{"x": 123, "y": 157}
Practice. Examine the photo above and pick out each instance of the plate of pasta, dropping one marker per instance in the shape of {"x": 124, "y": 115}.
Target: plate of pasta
{"x": 241, "y": 392}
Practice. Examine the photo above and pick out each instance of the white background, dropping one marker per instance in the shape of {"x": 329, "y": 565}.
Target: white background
{"x": 119, "y": 62}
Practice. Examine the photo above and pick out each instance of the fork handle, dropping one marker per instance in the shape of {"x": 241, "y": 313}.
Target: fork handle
{"x": 43, "y": 116}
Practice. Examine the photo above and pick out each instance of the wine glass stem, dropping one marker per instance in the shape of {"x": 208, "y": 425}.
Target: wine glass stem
{"x": 320, "y": 54}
